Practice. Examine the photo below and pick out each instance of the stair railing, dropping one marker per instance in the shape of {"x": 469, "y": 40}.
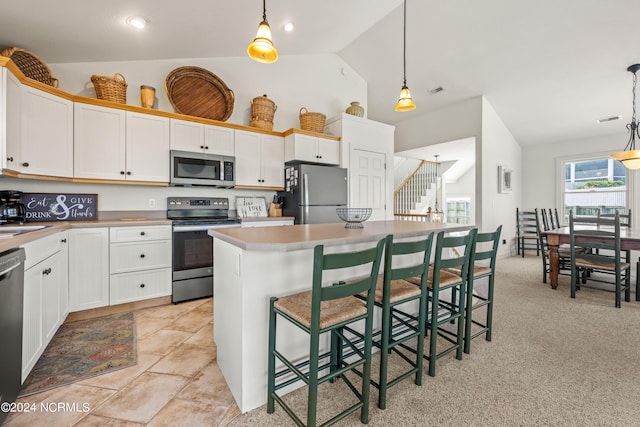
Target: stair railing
{"x": 410, "y": 192}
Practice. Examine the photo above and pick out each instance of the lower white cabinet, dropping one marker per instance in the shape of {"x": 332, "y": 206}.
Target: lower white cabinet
{"x": 140, "y": 263}
{"x": 45, "y": 294}
{"x": 89, "y": 268}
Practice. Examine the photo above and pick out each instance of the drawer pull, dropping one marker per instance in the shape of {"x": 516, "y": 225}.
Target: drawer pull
{"x": 25, "y": 164}
{"x": 141, "y": 255}
{"x": 10, "y": 159}
{"x": 142, "y": 285}
{"x": 142, "y": 233}
{"x": 46, "y": 271}
{"x": 63, "y": 240}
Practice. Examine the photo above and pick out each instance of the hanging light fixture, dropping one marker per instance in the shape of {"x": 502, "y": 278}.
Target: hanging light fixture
{"x": 405, "y": 103}
{"x": 261, "y": 49}
{"x": 436, "y": 214}
{"x": 630, "y": 157}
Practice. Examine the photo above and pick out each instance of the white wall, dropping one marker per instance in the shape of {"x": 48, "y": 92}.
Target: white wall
{"x": 322, "y": 83}
{"x": 499, "y": 147}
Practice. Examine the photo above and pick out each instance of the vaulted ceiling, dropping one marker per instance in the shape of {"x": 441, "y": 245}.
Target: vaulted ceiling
{"x": 549, "y": 68}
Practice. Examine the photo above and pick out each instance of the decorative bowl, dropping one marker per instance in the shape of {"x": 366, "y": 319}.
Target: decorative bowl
{"x": 354, "y": 216}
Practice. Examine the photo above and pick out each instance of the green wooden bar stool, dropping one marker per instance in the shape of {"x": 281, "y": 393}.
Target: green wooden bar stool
{"x": 326, "y": 309}
{"x": 484, "y": 249}
{"x": 398, "y": 326}
{"x": 450, "y": 309}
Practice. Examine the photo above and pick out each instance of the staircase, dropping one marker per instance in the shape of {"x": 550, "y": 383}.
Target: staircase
{"x": 411, "y": 199}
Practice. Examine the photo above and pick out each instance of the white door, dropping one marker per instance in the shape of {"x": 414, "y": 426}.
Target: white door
{"x": 367, "y": 177}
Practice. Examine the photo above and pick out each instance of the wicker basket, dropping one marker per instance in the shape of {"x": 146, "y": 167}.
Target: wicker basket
{"x": 30, "y": 65}
{"x": 262, "y": 112}
{"x": 312, "y": 121}
{"x": 112, "y": 89}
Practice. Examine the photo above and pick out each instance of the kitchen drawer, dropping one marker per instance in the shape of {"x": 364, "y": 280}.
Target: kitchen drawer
{"x": 125, "y": 257}
{"x": 140, "y": 285}
{"x": 139, "y": 234}
{"x": 41, "y": 249}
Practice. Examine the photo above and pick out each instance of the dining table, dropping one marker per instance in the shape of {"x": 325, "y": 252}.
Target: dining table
{"x": 629, "y": 240}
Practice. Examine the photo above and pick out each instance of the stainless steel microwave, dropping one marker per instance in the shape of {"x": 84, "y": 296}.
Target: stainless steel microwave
{"x": 190, "y": 168}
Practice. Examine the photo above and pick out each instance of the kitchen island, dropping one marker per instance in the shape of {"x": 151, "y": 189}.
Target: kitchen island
{"x": 253, "y": 264}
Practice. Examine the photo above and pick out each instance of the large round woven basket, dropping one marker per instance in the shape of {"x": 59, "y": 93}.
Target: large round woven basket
{"x": 312, "y": 121}
{"x": 30, "y": 65}
{"x": 262, "y": 111}
{"x": 112, "y": 89}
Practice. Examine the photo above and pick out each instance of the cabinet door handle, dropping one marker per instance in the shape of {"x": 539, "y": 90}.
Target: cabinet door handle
{"x": 25, "y": 164}
{"x": 142, "y": 285}
{"x": 10, "y": 159}
{"x": 121, "y": 172}
{"x": 46, "y": 271}
{"x": 142, "y": 233}
{"x": 202, "y": 146}
{"x": 63, "y": 240}
{"x": 141, "y": 255}
{"x": 128, "y": 172}
{"x": 206, "y": 147}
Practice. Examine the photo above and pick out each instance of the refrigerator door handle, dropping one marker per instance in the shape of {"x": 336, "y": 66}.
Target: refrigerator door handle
{"x": 305, "y": 189}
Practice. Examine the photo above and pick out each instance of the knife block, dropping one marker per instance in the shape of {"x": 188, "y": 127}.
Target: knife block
{"x": 275, "y": 209}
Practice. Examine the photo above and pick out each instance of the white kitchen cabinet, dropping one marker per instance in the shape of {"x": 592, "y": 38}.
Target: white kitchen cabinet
{"x": 120, "y": 145}
{"x": 44, "y": 308}
{"x": 201, "y": 138}
{"x": 89, "y": 268}
{"x": 140, "y": 263}
{"x": 41, "y": 143}
{"x": 310, "y": 148}
{"x": 147, "y": 147}
{"x": 259, "y": 160}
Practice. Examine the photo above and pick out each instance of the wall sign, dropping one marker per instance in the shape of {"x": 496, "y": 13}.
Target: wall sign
{"x": 60, "y": 207}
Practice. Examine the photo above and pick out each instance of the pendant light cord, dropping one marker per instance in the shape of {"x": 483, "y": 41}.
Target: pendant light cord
{"x": 264, "y": 10}
{"x": 633, "y": 126}
{"x": 404, "y": 46}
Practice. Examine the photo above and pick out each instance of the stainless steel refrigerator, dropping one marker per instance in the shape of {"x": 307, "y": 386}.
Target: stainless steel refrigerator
{"x": 313, "y": 192}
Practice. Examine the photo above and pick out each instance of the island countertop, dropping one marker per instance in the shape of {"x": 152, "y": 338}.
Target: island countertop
{"x": 305, "y": 236}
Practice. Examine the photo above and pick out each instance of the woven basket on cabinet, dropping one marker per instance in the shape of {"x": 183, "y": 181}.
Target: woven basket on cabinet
{"x": 109, "y": 88}
{"x": 30, "y": 65}
{"x": 312, "y": 121}
{"x": 262, "y": 111}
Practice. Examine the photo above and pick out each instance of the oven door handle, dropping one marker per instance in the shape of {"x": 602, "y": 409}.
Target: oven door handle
{"x": 185, "y": 228}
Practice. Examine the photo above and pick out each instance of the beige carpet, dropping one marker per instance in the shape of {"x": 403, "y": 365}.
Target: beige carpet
{"x": 553, "y": 361}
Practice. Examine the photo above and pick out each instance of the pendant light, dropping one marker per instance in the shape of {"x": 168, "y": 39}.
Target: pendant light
{"x": 630, "y": 157}
{"x": 436, "y": 214}
{"x": 405, "y": 103}
{"x": 261, "y": 49}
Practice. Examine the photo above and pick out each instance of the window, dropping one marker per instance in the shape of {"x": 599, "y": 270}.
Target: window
{"x": 593, "y": 184}
{"x": 459, "y": 210}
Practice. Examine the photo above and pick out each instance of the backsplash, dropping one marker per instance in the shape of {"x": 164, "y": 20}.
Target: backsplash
{"x": 114, "y": 197}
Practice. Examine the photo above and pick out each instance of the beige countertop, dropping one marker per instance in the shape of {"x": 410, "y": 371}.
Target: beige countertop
{"x": 305, "y": 236}
{"x": 268, "y": 218}
{"x": 7, "y": 243}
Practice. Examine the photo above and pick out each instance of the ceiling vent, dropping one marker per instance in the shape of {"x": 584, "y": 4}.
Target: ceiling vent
{"x": 609, "y": 119}
{"x": 436, "y": 90}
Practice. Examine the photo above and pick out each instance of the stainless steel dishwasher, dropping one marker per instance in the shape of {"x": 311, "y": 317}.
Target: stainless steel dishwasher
{"x": 11, "y": 302}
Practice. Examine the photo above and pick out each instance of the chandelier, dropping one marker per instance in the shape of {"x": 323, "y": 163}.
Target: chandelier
{"x": 630, "y": 157}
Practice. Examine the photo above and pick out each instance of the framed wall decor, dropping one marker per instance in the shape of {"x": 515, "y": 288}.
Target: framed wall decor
{"x": 505, "y": 180}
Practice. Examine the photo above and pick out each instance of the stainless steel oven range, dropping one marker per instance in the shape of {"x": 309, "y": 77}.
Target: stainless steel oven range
{"x": 192, "y": 246}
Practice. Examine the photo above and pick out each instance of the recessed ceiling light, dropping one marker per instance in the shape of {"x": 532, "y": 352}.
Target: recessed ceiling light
{"x": 288, "y": 26}
{"x": 138, "y": 21}
{"x": 609, "y": 119}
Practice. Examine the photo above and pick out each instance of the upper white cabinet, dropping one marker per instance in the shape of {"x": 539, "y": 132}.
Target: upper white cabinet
{"x": 120, "y": 145}
{"x": 198, "y": 137}
{"x": 42, "y": 143}
{"x": 259, "y": 160}
{"x": 308, "y": 148}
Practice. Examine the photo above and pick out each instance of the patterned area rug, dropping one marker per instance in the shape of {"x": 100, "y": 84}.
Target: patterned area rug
{"x": 84, "y": 349}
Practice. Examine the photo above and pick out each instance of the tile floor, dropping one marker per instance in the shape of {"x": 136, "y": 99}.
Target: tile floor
{"x": 176, "y": 381}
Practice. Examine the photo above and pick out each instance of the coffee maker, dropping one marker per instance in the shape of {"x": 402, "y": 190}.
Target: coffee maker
{"x": 12, "y": 210}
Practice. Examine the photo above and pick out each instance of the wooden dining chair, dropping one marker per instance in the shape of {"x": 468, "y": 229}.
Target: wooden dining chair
{"x": 589, "y": 236}
{"x": 528, "y": 231}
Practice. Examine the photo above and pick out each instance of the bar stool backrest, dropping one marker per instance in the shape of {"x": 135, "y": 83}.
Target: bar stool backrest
{"x": 460, "y": 261}
{"x": 479, "y": 253}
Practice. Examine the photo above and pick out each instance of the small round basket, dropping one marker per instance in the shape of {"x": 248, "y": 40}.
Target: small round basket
{"x": 313, "y": 122}
{"x": 354, "y": 217}
{"x": 112, "y": 89}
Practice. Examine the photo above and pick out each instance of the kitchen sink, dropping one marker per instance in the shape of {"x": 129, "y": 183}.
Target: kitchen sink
{"x": 14, "y": 230}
